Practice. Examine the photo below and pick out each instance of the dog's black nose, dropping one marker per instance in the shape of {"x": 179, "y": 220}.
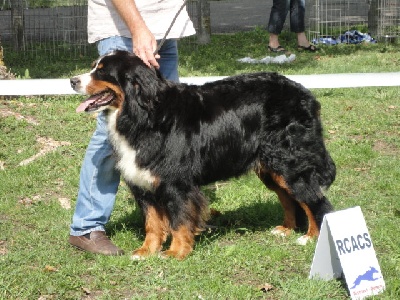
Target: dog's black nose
{"x": 74, "y": 81}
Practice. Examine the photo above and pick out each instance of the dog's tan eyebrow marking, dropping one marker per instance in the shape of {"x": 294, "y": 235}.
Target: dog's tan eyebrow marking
{"x": 95, "y": 66}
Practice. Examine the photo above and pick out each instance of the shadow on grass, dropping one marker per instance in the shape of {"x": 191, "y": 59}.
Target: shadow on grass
{"x": 257, "y": 216}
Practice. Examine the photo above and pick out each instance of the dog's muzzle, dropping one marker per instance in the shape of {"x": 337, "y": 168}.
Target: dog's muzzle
{"x": 74, "y": 81}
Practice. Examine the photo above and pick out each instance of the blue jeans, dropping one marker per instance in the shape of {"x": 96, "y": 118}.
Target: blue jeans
{"x": 279, "y": 11}
{"x": 99, "y": 180}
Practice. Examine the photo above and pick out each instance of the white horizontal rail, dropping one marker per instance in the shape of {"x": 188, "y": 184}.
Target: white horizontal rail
{"x": 30, "y": 87}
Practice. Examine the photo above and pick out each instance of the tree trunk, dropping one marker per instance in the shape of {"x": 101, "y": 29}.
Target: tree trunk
{"x": 373, "y": 17}
{"x": 1, "y": 54}
{"x": 204, "y": 22}
{"x": 17, "y": 17}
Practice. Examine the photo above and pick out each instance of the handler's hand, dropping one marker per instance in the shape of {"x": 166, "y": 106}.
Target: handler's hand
{"x": 144, "y": 45}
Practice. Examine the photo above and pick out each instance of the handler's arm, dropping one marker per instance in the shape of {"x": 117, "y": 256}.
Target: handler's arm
{"x": 144, "y": 42}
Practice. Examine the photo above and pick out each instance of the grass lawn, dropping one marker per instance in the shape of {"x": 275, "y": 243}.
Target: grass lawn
{"x": 43, "y": 140}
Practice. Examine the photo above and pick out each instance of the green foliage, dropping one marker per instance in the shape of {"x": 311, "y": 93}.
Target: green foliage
{"x": 26, "y": 75}
{"x": 43, "y": 3}
{"x": 42, "y": 64}
{"x": 238, "y": 258}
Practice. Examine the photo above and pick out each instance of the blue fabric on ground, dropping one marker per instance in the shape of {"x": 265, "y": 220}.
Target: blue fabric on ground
{"x": 349, "y": 37}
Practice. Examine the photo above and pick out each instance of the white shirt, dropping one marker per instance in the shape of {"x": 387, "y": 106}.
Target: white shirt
{"x": 104, "y": 20}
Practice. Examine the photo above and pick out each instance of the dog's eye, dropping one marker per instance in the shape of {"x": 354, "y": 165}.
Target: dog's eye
{"x": 100, "y": 72}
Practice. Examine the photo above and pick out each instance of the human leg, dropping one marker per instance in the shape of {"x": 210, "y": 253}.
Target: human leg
{"x": 297, "y": 25}
{"x": 276, "y": 21}
{"x": 169, "y": 60}
{"x": 99, "y": 180}
{"x": 297, "y": 15}
{"x": 98, "y": 184}
{"x": 303, "y": 44}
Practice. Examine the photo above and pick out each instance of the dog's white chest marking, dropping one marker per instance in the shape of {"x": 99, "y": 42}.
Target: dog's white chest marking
{"x": 127, "y": 158}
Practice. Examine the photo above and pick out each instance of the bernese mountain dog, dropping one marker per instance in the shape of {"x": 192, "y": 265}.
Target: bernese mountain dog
{"x": 172, "y": 138}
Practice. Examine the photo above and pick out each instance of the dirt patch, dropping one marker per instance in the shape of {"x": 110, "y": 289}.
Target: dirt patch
{"x": 5, "y": 112}
{"x": 3, "y": 247}
{"x": 49, "y": 195}
{"x": 385, "y": 148}
{"x": 47, "y": 145}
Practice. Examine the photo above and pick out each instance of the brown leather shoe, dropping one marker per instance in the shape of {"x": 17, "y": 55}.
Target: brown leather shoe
{"x": 95, "y": 242}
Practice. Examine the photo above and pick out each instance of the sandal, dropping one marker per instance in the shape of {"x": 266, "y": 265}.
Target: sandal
{"x": 278, "y": 49}
{"x": 310, "y": 48}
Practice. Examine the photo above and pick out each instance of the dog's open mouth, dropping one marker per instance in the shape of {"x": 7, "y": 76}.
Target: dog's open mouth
{"x": 95, "y": 101}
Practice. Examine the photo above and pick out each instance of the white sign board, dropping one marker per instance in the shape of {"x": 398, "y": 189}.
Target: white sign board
{"x": 345, "y": 247}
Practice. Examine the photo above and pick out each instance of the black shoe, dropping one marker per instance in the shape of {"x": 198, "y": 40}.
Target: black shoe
{"x": 310, "y": 48}
{"x": 278, "y": 49}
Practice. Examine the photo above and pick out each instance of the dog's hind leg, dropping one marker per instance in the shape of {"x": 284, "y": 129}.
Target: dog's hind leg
{"x": 181, "y": 244}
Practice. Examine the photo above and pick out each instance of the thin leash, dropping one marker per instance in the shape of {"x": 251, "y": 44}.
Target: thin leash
{"x": 169, "y": 29}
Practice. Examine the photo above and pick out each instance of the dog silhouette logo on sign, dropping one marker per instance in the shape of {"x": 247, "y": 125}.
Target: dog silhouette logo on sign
{"x": 367, "y": 276}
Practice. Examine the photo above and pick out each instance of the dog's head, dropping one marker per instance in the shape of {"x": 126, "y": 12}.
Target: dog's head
{"x": 113, "y": 78}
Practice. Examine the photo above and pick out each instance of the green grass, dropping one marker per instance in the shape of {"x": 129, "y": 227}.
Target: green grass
{"x": 234, "y": 261}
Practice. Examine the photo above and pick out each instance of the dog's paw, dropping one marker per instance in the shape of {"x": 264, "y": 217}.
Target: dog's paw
{"x": 175, "y": 254}
{"x": 281, "y": 231}
{"x": 137, "y": 257}
{"x": 140, "y": 254}
{"x": 303, "y": 240}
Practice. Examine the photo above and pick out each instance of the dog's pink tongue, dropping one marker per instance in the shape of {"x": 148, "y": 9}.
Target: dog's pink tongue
{"x": 85, "y": 104}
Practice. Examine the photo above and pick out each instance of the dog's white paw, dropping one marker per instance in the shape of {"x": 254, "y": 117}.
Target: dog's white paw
{"x": 278, "y": 232}
{"x": 281, "y": 231}
{"x": 303, "y": 240}
{"x": 137, "y": 257}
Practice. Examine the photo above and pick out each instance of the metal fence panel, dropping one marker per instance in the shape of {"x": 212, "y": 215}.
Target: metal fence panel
{"x": 53, "y": 30}
{"x": 380, "y": 18}
{"x": 58, "y": 27}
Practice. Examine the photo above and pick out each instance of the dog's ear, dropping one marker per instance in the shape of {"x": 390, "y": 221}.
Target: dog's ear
{"x": 141, "y": 85}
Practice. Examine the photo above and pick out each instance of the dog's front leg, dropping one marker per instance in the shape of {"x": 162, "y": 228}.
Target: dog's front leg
{"x": 277, "y": 184}
{"x": 157, "y": 228}
{"x": 289, "y": 210}
{"x": 155, "y": 222}
{"x": 181, "y": 244}
{"x": 313, "y": 230}
{"x": 187, "y": 212}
